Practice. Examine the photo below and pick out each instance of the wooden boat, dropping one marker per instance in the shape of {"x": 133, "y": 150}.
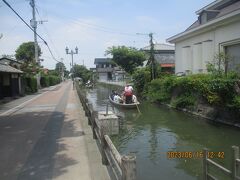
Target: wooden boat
{"x": 126, "y": 106}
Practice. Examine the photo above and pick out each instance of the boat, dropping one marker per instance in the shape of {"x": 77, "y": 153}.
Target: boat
{"x": 126, "y": 106}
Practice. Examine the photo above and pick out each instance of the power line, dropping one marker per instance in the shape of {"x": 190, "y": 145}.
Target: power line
{"x": 30, "y": 28}
{"x": 54, "y": 47}
{"x": 97, "y": 27}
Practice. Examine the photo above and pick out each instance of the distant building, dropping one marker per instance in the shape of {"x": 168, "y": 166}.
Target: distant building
{"x": 10, "y": 81}
{"x": 45, "y": 71}
{"x": 164, "y": 55}
{"x": 11, "y": 62}
{"x": 216, "y": 30}
{"x": 107, "y": 71}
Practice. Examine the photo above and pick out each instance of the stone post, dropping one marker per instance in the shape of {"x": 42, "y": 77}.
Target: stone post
{"x": 129, "y": 167}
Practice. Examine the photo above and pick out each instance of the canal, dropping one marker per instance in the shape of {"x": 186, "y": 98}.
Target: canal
{"x": 159, "y": 130}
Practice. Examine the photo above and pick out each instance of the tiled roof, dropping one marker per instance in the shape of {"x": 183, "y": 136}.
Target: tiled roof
{"x": 102, "y": 60}
{"x": 4, "y": 59}
{"x": 224, "y": 11}
{"x": 8, "y": 69}
{"x": 160, "y": 47}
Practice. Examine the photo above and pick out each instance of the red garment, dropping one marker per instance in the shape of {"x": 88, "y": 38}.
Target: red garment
{"x": 128, "y": 91}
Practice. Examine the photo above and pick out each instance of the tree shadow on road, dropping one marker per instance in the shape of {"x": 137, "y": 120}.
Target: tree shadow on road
{"x": 29, "y": 143}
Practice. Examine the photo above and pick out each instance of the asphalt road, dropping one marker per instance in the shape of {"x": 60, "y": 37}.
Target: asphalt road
{"x": 29, "y": 136}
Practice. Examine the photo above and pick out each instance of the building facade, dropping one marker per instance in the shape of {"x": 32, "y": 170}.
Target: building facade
{"x": 107, "y": 71}
{"x": 216, "y": 30}
{"x": 164, "y": 55}
{"x": 10, "y": 81}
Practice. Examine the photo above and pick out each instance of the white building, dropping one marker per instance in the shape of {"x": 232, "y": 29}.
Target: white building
{"x": 217, "y": 29}
{"x": 108, "y": 71}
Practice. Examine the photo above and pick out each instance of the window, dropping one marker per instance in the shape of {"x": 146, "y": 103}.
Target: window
{"x": 233, "y": 51}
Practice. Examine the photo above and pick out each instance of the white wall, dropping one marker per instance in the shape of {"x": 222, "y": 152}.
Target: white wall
{"x": 202, "y": 48}
{"x": 102, "y": 76}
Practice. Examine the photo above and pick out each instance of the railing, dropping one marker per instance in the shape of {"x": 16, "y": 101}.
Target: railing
{"x": 233, "y": 173}
{"x": 123, "y": 167}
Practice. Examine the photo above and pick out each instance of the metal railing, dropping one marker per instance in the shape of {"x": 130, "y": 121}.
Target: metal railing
{"x": 233, "y": 173}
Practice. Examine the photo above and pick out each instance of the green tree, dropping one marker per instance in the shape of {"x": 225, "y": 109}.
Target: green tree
{"x": 82, "y": 72}
{"x": 26, "y": 52}
{"x": 60, "y": 67}
{"x": 53, "y": 73}
{"x": 219, "y": 65}
{"x": 128, "y": 58}
{"x": 141, "y": 78}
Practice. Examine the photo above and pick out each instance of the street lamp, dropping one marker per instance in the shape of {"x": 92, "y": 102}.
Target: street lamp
{"x": 72, "y": 53}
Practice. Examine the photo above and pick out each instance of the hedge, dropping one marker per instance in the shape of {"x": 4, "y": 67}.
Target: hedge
{"x": 44, "y": 81}
{"x": 53, "y": 80}
{"x": 216, "y": 91}
{"x": 30, "y": 85}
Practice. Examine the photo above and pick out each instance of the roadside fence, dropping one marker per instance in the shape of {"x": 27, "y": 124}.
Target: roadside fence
{"x": 103, "y": 124}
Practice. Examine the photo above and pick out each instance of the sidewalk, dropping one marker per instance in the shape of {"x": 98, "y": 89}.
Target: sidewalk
{"x": 5, "y": 108}
{"x": 79, "y": 146}
{"x": 46, "y": 136}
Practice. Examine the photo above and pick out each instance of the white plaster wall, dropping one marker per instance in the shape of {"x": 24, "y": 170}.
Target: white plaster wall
{"x": 207, "y": 54}
{"x": 181, "y": 65}
{"x": 102, "y": 76}
{"x": 211, "y": 43}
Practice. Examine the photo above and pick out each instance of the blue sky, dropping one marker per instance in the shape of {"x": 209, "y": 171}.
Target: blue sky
{"x": 94, "y": 25}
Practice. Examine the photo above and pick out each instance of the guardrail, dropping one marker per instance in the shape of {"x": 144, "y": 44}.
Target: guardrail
{"x": 123, "y": 167}
{"x": 234, "y": 173}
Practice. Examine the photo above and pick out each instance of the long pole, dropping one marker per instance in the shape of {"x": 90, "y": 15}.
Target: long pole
{"x": 62, "y": 70}
{"x": 72, "y": 66}
{"x": 72, "y": 53}
{"x": 34, "y": 26}
{"x": 152, "y": 60}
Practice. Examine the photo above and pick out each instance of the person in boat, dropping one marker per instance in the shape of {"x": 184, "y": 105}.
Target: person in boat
{"x": 134, "y": 99}
{"x": 113, "y": 94}
{"x": 128, "y": 92}
{"x": 117, "y": 98}
{"x": 123, "y": 97}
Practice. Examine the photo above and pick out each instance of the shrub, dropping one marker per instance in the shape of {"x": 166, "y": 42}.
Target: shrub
{"x": 53, "y": 80}
{"x": 215, "y": 90}
{"x": 161, "y": 89}
{"x": 185, "y": 100}
{"x": 141, "y": 78}
{"x": 30, "y": 84}
{"x": 44, "y": 81}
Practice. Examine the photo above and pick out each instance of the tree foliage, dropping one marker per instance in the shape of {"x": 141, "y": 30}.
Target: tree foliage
{"x": 30, "y": 69}
{"x": 141, "y": 78}
{"x": 82, "y": 72}
{"x": 60, "y": 67}
{"x": 128, "y": 58}
{"x": 26, "y": 52}
{"x": 219, "y": 65}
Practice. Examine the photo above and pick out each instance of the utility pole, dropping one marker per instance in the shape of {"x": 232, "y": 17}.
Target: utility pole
{"x": 72, "y": 53}
{"x": 33, "y": 23}
{"x": 151, "y": 58}
{"x": 62, "y": 70}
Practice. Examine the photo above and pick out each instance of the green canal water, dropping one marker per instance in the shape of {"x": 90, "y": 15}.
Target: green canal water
{"x": 159, "y": 130}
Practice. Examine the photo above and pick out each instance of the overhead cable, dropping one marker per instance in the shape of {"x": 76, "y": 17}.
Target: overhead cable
{"x": 30, "y": 28}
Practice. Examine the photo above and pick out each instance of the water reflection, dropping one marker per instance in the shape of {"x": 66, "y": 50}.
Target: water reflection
{"x": 159, "y": 130}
